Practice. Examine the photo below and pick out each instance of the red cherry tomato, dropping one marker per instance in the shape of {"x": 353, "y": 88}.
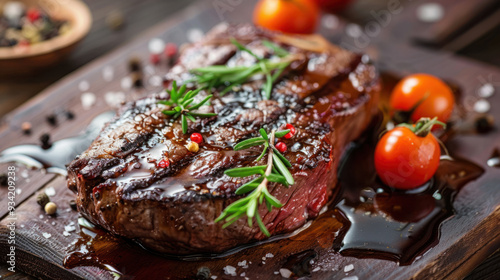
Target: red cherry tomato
{"x": 280, "y": 146}
{"x": 436, "y": 97}
{"x": 332, "y": 6}
{"x": 289, "y": 16}
{"x": 404, "y": 160}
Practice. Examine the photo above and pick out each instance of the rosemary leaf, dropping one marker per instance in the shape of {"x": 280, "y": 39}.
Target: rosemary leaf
{"x": 202, "y": 114}
{"x": 281, "y": 133}
{"x": 184, "y": 124}
{"x": 169, "y": 113}
{"x": 245, "y": 171}
{"x": 263, "y": 151}
{"x": 245, "y": 49}
{"x": 282, "y": 169}
{"x": 276, "y": 178}
{"x": 282, "y": 158}
{"x": 262, "y": 226}
{"x": 191, "y": 118}
{"x": 279, "y": 51}
{"x": 264, "y": 134}
{"x": 245, "y": 144}
{"x": 205, "y": 100}
{"x": 271, "y": 199}
{"x": 166, "y": 102}
{"x": 249, "y": 186}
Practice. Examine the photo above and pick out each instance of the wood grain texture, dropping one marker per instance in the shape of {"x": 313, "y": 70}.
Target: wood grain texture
{"x": 466, "y": 239}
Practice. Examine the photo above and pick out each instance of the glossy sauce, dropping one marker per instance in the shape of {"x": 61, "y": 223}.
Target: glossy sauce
{"x": 367, "y": 219}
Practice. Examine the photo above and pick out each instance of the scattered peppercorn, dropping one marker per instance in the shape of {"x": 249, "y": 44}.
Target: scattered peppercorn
{"x": 4, "y": 180}
{"x": 72, "y": 204}
{"x": 51, "y": 119}
{"x": 26, "y": 127}
{"x": 42, "y": 199}
{"x": 292, "y": 131}
{"x": 193, "y": 147}
{"x": 50, "y": 208}
{"x": 70, "y": 115}
{"x": 45, "y": 140}
{"x": 280, "y": 146}
{"x": 203, "y": 273}
{"x": 196, "y": 137}
{"x": 115, "y": 20}
{"x": 134, "y": 64}
{"x": 164, "y": 163}
{"x": 154, "y": 58}
{"x": 170, "y": 52}
{"x": 137, "y": 80}
{"x": 484, "y": 123}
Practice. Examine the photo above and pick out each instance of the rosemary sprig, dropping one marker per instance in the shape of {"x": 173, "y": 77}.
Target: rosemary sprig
{"x": 181, "y": 101}
{"x": 221, "y": 75}
{"x": 276, "y": 171}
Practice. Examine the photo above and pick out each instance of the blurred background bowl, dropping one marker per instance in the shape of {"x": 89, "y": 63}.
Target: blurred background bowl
{"x": 35, "y": 57}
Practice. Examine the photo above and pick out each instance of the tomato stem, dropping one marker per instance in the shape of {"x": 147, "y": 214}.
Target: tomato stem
{"x": 401, "y": 116}
{"x": 423, "y": 126}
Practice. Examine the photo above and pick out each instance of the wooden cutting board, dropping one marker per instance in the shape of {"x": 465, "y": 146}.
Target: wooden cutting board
{"x": 466, "y": 239}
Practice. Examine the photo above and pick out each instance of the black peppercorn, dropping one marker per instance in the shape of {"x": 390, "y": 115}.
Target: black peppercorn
{"x": 26, "y": 127}
{"x": 45, "y": 140}
{"x": 484, "y": 123}
{"x": 134, "y": 65}
{"x": 51, "y": 119}
{"x": 70, "y": 115}
{"x": 72, "y": 204}
{"x": 137, "y": 80}
{"x": 42, "y": 199}
{"x": 4, "y": 180}
{"x": 203, "y": 273}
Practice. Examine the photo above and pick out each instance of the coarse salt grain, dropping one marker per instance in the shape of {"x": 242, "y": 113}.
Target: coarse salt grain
{"x": 285, "y": 273}
{"x": 194, "y": 35}
{"x": 316, "y": 269}
{"x": 348, "y": 267}
{"x": 88, "y": 100}
{"x": 108, "y": 73}
{"x": 155, "y": 80}
{"x": 230, "y": 270}
{"x": 353, "y": 30}
{"x": 486, "y": 90}
{"x": 482, "y": 106}
{"x": 126, "y": 83}
{"x": 269, "y": 255}
{"x": 83, "y": 85}
{"x": 50, "y": 191}
{"x": 114, "y": 99}
{"x": 350, "y": 278}
{"x": 69, "y": 228}
{"x": 430, "y": 12}
{"x": 156, "y": 46}
{"x": 47, "y": 235}
{"x": 330, "y": 21}
{"x": 65, "y": 233}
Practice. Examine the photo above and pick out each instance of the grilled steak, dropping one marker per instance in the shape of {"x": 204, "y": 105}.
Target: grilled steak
{"x": 329, "y": 95}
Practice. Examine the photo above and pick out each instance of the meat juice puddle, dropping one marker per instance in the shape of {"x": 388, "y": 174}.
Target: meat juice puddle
{"x": 376, "y": 221}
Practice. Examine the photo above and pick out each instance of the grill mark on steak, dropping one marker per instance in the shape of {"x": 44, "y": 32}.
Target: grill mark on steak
{"x": 329, "y": 97}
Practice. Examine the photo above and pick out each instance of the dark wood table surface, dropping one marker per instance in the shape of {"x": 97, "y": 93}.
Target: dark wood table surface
{"x": 139, "y": 15}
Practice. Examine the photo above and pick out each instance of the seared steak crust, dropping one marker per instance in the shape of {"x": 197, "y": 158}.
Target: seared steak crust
{"x": 329, "y": 96}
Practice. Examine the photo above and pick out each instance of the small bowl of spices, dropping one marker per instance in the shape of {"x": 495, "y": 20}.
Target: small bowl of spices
{"x": 38, "y": 34}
